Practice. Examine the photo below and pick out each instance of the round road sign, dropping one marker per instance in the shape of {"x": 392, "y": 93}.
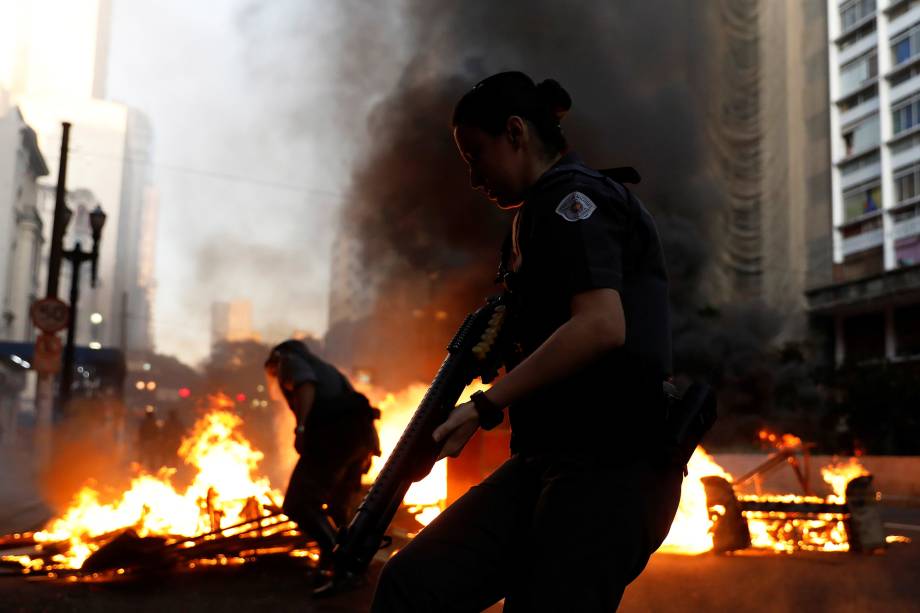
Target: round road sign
{"x": 50, "y": 315}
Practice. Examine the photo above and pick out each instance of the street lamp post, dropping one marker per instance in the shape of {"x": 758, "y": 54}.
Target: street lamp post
{"x": 77, "y": 257}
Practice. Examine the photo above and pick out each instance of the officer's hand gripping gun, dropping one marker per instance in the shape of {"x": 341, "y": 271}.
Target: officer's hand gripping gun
{"x": 474, "y": 352}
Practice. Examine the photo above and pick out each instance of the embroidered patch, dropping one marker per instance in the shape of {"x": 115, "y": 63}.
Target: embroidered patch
{"x": 576, "y": 206}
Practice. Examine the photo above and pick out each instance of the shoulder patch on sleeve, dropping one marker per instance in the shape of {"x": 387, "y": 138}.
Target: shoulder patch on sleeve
{"x": 576, "y": 206}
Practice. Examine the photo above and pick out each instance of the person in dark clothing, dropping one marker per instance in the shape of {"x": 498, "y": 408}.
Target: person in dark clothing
{"x": 589, "y": 492}
{"x": 148, "y": 436}
{"x": 334, "y": 435}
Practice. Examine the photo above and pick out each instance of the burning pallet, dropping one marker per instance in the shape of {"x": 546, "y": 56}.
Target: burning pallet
{"x": 267, "y": 533}
{"x": 848, "y": 520}
{"x": 227, "y": 515}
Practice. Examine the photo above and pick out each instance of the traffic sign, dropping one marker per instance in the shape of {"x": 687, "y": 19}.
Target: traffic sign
{"x": 50, "y": 315}
{"x": 47, "y": 358}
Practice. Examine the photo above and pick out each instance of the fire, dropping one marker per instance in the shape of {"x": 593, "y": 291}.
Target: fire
{"x": 780, "y": 441}
{"x": 690, "y": 531}
{"x": 225, "y": 481}
{"x": 225, "y": 484}
{"x": 427, "y": 497}
{"x": 838, "y": 474}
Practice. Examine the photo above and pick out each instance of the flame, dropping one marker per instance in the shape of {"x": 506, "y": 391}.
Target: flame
{"x": 427, "y": 497}
{"x": 690, "y": 531}
{"x": 226, "y": 479}
{"x": 780, "y": 441}
{"x": 839, "y": 474}
{"x": 226, "y": 463}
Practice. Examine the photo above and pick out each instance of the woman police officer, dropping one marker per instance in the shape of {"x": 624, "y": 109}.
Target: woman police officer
{"x": 586, "y": 498}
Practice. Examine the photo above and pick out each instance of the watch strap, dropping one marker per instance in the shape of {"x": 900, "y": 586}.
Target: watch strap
{"x": 490, "y": 415}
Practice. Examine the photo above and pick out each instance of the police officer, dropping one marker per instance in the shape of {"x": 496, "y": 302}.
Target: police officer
{"x": 587, "y": 496}
{"x": 334, "y": 435}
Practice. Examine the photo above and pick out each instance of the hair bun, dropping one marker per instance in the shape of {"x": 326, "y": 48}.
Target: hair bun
{"x": 554, "y": 97}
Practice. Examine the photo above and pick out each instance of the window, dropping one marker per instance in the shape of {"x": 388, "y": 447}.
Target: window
{"x": 858, "y": 73}
{"x": 901, "y": 9}
{"x": 905, "y": 214}
{"x": 907, "y": 251}
{"x": 907, "y": 184}
{"x": 904, "y": 75}
{"x": 862, "y": 136}
{"x": 905, "y": 46}
{"x": 906, "y": 115}
{"x": 857, "y": 99}
{"x": 863, "y": 227}
{"x": 858, "y": 164}
{"x": 854, "y": 12}
{"x": 861, "y": 201}
{"x": 905, "y": 144}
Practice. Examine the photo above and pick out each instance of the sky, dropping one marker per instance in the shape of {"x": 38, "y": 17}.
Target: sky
{"x": 248, "y": 161}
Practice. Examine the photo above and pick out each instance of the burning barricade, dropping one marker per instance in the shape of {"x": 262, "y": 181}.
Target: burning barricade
{"x": 228, "y": 514}
{"x": 153, "y": 522}
{"x": 717, "y": 514}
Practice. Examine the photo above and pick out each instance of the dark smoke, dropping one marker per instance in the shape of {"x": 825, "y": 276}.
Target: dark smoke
{"x": 633, "y": 71}
{"x": 644, "y": 78}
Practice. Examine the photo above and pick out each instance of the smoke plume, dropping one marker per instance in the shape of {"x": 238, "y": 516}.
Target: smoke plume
{"x": 644, "y": 81}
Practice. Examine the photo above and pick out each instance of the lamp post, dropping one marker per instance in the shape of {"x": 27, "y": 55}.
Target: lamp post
{"x": 77, "y": 257}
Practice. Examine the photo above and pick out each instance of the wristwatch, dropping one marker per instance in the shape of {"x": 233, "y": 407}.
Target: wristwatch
{"x": 490, "y": 414}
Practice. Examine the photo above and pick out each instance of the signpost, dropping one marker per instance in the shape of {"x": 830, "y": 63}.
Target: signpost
{"x": 47, "y": 357}
{"x": 48, "y": 311}
{"x": 50, "y": 315}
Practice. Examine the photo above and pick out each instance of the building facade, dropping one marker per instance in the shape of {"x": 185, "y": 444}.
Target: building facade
{"x": 231, "y": 322}
{"x": 872, "y": 304}
{"x": 55, "y": 70}
{"x": 21, "y": 226}
{"x": 768, "y": 137}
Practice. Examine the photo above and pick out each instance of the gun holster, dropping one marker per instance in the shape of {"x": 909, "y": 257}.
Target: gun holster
{"x": 689, "y": 416}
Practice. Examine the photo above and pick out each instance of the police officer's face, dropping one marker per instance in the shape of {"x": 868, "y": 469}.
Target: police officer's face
{"x": 496, "y": 164}
{"x": 274, "y": 388}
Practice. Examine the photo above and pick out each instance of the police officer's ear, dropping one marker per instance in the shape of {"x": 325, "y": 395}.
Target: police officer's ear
{"x": 515, "y": 130}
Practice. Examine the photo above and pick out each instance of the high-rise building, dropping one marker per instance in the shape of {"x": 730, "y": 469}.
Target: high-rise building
{"x": 769, "y": 137}
{"x": 231, "y": 322}
{"x": 872, "y": 304}
{"x": 54, "y": 60}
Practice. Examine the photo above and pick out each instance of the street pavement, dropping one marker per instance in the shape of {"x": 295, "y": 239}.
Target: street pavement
{"x": 671, "y": 584}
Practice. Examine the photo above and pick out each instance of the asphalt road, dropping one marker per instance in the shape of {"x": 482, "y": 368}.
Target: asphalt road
{"x": 748, "y": 582}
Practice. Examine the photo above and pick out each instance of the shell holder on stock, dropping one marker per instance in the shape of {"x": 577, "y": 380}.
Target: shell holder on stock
{"x": 487, "y": 349}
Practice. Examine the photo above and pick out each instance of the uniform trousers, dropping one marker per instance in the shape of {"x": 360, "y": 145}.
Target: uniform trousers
{"x": 555, "y": 532}
{"x": 335, "y": 455}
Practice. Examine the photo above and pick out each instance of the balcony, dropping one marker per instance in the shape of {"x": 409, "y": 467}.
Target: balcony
{"x": 905, "y": 89}
{"x": 861, "y": 110}
{"x": 865, "y": 174}
{"x": 906, "y": 157}
{"x": 867, "y": 288}
{"x": 862, "y": 242}
{"x": 854, "y": 28}
{"x": 867, "y": 43}
{"x": 856, "y": 88}
{"x": 905, "y": 229}
{"x": 903, "y": 22}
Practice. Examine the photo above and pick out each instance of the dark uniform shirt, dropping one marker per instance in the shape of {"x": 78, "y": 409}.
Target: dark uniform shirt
{"x": 578, "y": 230}
{"x": 299, "y": 367}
